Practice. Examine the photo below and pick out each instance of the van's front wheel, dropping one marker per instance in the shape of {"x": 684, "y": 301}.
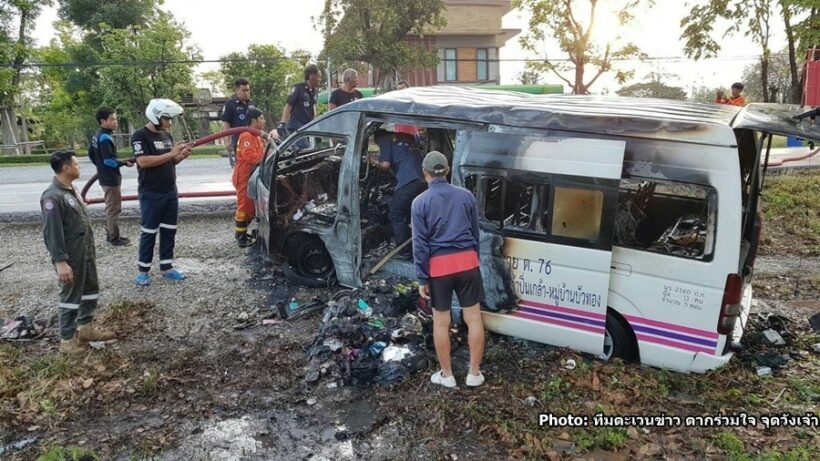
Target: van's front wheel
{"x": 310, "y": 265}
{"x": 619, "y": 340}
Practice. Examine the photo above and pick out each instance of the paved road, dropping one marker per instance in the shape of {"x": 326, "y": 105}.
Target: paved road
{"x": 21, "y": 186}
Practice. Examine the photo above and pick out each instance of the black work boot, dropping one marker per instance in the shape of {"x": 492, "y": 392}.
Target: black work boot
{"x": 244, "y": 240}
{"x": 120, "y": 241}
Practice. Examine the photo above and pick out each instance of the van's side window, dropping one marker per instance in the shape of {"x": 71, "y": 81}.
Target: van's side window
{"x": 667, "y": 217}
{"x": 509, "y": 204}
{"x": 493, "y": 199}
{"x": 577, "y": 213}
{"x": 520, "y": 205}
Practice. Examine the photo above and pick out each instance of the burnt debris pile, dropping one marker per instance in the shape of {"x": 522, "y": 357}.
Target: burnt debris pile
{"x": 371, "y": 336}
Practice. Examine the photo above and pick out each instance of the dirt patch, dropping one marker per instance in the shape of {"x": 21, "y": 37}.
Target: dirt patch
{"x": 197, "y": 374}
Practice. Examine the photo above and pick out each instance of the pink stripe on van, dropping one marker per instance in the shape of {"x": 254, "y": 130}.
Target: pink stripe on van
{"x": 576, "y": 326}
{"x": 581, "y": 313}
{"x": 676, "y": 345}
{"x": 673, "y": 327}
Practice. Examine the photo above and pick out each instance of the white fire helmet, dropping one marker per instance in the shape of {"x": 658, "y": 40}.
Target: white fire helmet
{"x": 162, "y": 108}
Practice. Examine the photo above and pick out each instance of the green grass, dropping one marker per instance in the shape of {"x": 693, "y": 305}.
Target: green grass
{"x": 791, "y": 204}
{"x": 731, "y": 445}
{"x": 68, "y": 454}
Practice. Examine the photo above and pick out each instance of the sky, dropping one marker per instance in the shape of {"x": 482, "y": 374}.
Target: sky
{"x": 656, "y": 31}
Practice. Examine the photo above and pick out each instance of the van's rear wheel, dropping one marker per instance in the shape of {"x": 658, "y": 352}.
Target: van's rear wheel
{"x": 618, "y": 339}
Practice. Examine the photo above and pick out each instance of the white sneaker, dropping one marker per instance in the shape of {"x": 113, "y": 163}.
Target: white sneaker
{"x": 474, "y": 380}
{"x": 449, "y": 381}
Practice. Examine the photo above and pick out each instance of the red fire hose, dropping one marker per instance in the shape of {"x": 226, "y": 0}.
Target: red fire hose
{"x": 198, "y": 142}
{"x": 794, "y": 159}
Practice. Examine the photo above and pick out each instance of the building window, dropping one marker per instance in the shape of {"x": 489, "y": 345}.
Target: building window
{"x": 450, "y": 72}
{"x": 482, "y": 66}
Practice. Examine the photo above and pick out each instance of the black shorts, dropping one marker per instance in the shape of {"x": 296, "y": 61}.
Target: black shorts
{"x": 467, "y": 285}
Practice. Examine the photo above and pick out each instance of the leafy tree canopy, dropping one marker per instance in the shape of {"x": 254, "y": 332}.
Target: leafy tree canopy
{"x": 561, "y": 21}
{"x": 373, "y": 31}
{"x": 271, "y": 73}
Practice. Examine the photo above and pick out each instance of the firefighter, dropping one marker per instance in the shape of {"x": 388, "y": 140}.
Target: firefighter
{"x": 736, "y": 99}
{"x": 249, "y": 151}
{"x": 70, "y": 241}
{"x": 157, "y": 156}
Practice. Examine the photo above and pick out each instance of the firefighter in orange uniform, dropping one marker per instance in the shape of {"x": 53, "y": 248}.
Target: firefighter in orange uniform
{"x": 249, "y": 151}
{"x": 736, "y": 99}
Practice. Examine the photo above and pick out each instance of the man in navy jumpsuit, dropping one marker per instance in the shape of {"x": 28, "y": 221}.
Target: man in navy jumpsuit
{"x": 300, "y": 108}
{"x": 445, "y": 252}
{"x": 235, "y": 112}
{"x": 157, "y": 156}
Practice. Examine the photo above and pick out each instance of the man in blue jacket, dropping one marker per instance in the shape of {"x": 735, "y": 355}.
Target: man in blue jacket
{"x": 445, "y": 253}
{"x": 103, "y": 153}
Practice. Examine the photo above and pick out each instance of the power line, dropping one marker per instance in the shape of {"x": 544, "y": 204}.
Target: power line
{"x": 83, "y": 65}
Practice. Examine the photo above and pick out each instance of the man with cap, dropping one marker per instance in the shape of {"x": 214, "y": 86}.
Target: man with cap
{"x": 70, "y": 241}
{"x": 157, "y": 156}
{"x": 445, "y": 252}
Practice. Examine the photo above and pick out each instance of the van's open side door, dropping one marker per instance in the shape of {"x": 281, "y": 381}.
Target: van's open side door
{"x": 553, "y": 200}
{"x": 780, "y": 119}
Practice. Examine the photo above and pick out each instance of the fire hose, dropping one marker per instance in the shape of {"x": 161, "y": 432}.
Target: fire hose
{"x": 197, "y": 142}
{"x": 794, "y": 159}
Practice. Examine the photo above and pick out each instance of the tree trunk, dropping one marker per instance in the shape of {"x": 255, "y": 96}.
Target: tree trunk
{"x": 794, "y": 73}
{"x": 579, "y": 87}
{"x": 764, "y": 77}
{"x": 20, "y": 56}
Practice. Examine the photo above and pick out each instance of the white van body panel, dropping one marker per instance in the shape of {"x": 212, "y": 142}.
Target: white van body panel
{"x": 562, "y": 295}
{"x": 672, "y": 303}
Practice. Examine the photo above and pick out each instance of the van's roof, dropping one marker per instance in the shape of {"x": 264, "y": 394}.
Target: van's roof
{"x": 641, "y": 117}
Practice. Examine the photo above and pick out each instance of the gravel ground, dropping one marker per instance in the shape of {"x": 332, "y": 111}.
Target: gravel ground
{"x": 184, "y": 384}
{"x": 205, "y": 252}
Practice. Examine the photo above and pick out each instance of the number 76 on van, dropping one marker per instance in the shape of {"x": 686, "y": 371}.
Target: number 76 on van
{"x": 540, "y": 266}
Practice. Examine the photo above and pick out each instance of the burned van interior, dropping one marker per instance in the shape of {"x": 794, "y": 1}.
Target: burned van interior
{"x": 666, "y": 217}
{"x": 306, "y": 191}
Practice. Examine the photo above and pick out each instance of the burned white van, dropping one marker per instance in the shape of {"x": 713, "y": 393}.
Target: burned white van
{"x": 614, "y": 226}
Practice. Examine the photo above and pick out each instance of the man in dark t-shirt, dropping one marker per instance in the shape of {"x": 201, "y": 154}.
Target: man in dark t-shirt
{"x": 235, "y": 112}
{"x": 157, "y": 156}
{"x": 347, "y": 92}
{"x": 301, "y": 105}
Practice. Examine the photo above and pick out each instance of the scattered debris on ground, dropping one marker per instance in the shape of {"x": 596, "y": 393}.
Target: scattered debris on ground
{"x": 369, "y": 337}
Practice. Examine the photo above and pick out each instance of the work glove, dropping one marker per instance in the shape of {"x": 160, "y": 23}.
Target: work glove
{"x": 282, "y": 130}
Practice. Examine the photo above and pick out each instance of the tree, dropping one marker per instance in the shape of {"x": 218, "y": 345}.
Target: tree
{"x": 65, "y": 96}
{"x": 529, "y": 77}
{"x": 373, "y": 31}
{"x": 753, "y": 18}
{"x": 560, "y": 20}
{"x": 654, "y": 88}
{"x": 704, "y": 94}
{"x": 99, "y": 15}
{"x": 779, "y": 80}
{"x": 151, "y": 61}
{"x": 19, "y": 48}
{"x": 271, "y": 74}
